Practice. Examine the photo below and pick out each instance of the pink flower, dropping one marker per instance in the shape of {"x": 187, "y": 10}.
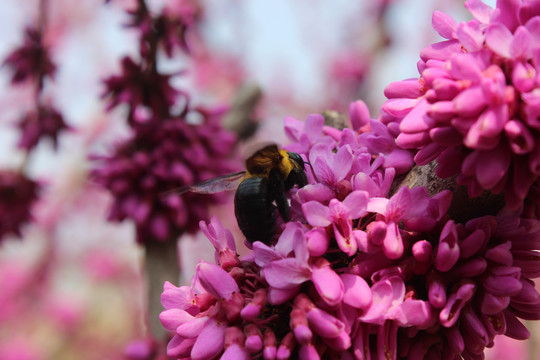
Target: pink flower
{"x": 223, "y": 242}
{"x": 305, "y": 134}
{"x": 290, "y": 273}
{"x": 340, "y": 216}
{"x": 330, "y": 169}
{"x": 379, "y": 138}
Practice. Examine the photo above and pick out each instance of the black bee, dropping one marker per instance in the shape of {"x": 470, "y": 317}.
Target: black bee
{"x": 270, "y": 172}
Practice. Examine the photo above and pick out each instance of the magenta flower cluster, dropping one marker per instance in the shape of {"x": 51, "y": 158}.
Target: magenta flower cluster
{"x": 31, "y": 65}
{"x": 358, "y": 272}
{"x": 17, "y": 195}
{"x": 476, "y": 105}
{"x": 174, "y": 154}
{"x": 31, "y": 61}
{"x": 173, "y": 143}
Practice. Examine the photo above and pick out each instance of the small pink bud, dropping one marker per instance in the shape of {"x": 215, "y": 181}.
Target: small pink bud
{"x": 299, "y": 325}
{"x": 501, "y": 254}
{"x": 286, "y": 347}
{"x": 474, "y": 333}
{"x": 253, "y": 309}
{"x": 514, "y": 328}
{"x": 410, "y": 88}
{"x": 422, "y": 250}
{"x": 436, "y": 290}
{"x": 376, "y": 232}
{"x": 359, "y": 114}
{"x": 520, "y": 138}
{"x": 492, "y": 304}
{"x": 317, "y": 242}
{"x": 340, "y": 343}
{"x": 470, "y": 268}
{"x": 503, "y": 281}
{"x": 254, "y": 338}
{"x": 269, "y": 341}
{"x": 210, "y": 341}
{"x": 473, "y": 243}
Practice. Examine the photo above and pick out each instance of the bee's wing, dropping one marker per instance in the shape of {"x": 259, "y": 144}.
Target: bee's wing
{"x": 211, "y": 186}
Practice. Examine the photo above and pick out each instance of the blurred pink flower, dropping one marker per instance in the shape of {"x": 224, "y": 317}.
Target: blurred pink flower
{"x": 20, "y": 349}
{"x": 147, "y": 94}
{"x": 31, "y": 62}
{"x": 17, "y": 195}
{"x": 46, "y": 121}
{"x": 176, "y": 153}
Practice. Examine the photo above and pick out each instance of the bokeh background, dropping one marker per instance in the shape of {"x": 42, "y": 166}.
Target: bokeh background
{"x": 72, "y": 285}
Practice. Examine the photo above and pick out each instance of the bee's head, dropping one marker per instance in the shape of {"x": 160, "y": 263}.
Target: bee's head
{"x": 296, "y": 176}
{"x": 296, "y": 159}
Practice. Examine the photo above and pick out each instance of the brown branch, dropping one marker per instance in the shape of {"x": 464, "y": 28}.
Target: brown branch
{"x": 239, "y": 118}
{"x": 462, "y": 208}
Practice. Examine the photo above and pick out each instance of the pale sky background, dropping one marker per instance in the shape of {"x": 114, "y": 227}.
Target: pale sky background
{"x": 279, "y": 40}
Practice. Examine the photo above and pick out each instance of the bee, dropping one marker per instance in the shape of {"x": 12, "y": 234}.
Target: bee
{"x": 260, "y": 190}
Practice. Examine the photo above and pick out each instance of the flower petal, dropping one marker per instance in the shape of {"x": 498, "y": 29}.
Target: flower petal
{"x": 316, "y": 213}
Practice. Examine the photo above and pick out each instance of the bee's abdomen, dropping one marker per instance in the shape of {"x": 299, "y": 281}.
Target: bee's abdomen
{"x": 254, "y": 210}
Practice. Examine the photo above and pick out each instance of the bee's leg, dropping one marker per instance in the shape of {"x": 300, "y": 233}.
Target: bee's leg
{"x": 278, "y": 192}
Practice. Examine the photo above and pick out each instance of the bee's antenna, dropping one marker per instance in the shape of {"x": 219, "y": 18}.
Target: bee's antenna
{"x": 311, "y": 167}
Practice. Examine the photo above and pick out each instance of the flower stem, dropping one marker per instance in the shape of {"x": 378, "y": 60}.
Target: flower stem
{"x": 161, "y": 264}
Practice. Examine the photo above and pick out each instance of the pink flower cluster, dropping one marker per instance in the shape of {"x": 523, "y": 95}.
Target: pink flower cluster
{"x": 148, "y": 94}
{"x": 32, "y": 65}
{"x": 173, "y": 143}
{"x": 358, "y": 272}
{"x": 32, "y": 60}
{"x": 176, "y": 153}
{"x": 17, "y": 195}
{"x": 476, "y": 105}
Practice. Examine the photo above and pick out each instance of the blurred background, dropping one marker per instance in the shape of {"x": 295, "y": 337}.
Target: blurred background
{"x": 72, "y": 283}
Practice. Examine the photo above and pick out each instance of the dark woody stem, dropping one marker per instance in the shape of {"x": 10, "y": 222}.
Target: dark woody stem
{"x": 41, "y": 26}
{"x": 151, "y": 38}
{"x": 462, "y": 208}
